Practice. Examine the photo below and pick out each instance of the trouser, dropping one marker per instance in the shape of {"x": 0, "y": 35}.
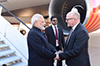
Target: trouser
{"x": 59, "y": 63}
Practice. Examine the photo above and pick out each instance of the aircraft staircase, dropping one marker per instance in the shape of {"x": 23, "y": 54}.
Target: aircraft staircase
{"x": 13, "y": 45}
{"x": 8, "y": 55}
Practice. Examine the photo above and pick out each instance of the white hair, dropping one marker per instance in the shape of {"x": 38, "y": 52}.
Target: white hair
{"x": 76, "y": 13}
{"x": 35, "y": 18}
{"x": 74, "y": 9}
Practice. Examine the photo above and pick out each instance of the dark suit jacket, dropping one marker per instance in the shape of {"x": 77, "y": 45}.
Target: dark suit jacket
{"x": 76, "y": 52}
{"x": 52, "y": 38}
{"x": 40, "y": 52}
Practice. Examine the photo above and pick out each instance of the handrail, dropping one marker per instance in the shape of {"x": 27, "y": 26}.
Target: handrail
{"x": 15, "y": 16}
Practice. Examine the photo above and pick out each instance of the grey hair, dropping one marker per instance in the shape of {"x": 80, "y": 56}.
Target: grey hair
{"x": 35, "y": 18}
{"x": 77, "y": 15}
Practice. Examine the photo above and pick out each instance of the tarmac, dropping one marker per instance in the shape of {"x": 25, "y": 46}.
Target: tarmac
{"x": 94, "y": 48}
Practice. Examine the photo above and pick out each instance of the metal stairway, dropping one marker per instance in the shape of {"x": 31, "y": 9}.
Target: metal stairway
{"x": 13, "y": 45}
{"x": 8, "y": 56}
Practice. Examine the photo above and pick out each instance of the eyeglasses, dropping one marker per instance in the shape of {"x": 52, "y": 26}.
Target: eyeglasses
{"x": 69, "y": 19}
{"x": 54, "y": 20}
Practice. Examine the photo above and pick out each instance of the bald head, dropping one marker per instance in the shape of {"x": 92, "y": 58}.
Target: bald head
{"x": 72, "y": 18}
{"x": 74, "y": 14}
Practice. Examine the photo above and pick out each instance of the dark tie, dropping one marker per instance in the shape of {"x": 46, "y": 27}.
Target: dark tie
{"x": 69, "y": 36}
{"x": 57, "y": 42}
{"x": 56, "y": 33}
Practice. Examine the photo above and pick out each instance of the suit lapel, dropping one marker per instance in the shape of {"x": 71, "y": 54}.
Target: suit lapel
{"x": 72, "y": 35}
{"x": 52, "y": 31}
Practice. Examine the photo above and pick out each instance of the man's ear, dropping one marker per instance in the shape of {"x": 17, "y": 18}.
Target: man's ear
{"x": 35, "y": 23}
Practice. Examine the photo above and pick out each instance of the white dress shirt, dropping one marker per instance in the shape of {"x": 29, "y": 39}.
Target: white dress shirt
{"x": 75, "y": 26}
{"x": 54, "y": 29}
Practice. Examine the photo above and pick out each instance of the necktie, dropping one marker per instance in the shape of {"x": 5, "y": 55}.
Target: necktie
{"x": 57, "y": 42}
{"x": 56, "y": 33}
{"x": 69, "y": 36}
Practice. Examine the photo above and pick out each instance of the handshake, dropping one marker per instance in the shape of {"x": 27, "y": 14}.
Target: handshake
{"x": 57, "y": 55}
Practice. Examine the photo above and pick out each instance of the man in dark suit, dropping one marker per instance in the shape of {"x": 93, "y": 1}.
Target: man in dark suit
{"x": 76, "y": 50}
{"x": 55, "y": 36}
{"x": 40, "y": 51}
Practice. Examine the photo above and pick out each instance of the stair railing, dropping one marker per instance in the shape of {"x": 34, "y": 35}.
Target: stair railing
{"x": 14, "y": 16}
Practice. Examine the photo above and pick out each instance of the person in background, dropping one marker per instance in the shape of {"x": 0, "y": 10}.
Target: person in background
{"x": 76, "y": 50}
{"x": 40, "y": 51}
{"x": 55, "y": 36}
{"x": 23, "y": 31}
{"x": 4, "y": 65}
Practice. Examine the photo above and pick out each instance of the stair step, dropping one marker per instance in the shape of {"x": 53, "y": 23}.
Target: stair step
{"x": 3, "y": 45}
{"x": 9, "y": 59}
{"x": 6, "y": 52}
{"x": 19, "y": 64}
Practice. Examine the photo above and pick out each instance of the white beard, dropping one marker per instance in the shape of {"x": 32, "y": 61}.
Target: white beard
{"x": 40, "y": 26}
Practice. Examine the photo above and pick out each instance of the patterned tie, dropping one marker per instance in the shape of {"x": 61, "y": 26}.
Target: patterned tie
{"x": 69, "y": 36}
